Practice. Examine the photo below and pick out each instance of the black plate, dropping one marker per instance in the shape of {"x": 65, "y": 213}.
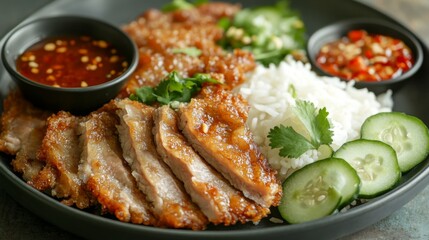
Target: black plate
{"x": 316, "y": 14}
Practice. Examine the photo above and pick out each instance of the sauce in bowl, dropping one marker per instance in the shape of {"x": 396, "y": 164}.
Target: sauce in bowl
{"x": 71, "y": 61}
{"x": 365, "y": 57}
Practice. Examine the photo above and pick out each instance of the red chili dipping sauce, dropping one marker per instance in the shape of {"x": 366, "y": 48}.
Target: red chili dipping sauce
{"x": 71, "y": 62}
{"x": 365, "y": 57}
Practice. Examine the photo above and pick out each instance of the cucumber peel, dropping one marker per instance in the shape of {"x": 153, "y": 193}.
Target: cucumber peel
{"x": 318, "y": 190}
{"x": 408, "y": 135}
{"x": 376, "y": 164}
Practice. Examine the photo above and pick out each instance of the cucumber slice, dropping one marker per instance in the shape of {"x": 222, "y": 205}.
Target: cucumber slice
{"x": 408, "y": 135}
{"x": 318, "y": 190}
{"x": 376, "y": 164}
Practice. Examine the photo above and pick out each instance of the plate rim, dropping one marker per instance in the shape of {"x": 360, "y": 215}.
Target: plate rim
{"x": 418, "y": 181}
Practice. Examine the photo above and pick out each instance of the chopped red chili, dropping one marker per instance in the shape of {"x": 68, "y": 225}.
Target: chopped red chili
{"x": 365, "y": 57}
{"x": 71, "y": 62}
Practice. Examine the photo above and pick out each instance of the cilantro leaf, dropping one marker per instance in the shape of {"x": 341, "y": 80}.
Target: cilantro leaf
{"x": 324, "y": 126}
{"x": 172, "y": 88}
{"x": 293, "y": 144}
{"x": 177, "y": 5}
{"x": 181, "y": 5}
{"x": 201, "y": 78}
{"x": 316, "y": 124}
{"x": 224, "y": 23}
{"x": 144, "y": 94}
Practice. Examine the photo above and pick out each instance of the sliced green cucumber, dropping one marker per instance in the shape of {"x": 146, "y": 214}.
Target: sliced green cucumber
{"x": 408, "y": 135}
{"x": 318, "y": 189}
{"x": 376, "y": 164}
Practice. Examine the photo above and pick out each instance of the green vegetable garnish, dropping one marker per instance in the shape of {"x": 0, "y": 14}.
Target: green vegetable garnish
{"x": 190, "y": 51}
{"x": 172, "y": 89}
{"x": 293, "y": 144}
{"x": 200, "y": 2}
{"x": 224, "y": 23}
{"x": 181, "y": 5}
{"x": 269, "y": 32}
{"x": 177, "y": 5}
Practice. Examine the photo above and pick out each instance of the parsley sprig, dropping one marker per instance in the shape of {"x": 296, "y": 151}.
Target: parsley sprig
{"x": 291, "y": 143}
{"x": 173, "y": 88}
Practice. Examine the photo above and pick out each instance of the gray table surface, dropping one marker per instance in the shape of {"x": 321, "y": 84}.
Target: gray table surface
{"x": 409, "y": 222}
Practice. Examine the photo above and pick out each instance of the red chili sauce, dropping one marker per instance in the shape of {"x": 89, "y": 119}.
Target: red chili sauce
{"x": 71, "y": 62}
{"x": 365, "y": 57}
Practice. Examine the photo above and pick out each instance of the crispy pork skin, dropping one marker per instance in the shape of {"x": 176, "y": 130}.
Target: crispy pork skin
{"x": 61, "y": 152}
{"x": 22, "y": 129}
{"x": 219, "y": 201}
{"x": 106, "y": 173}
{"x": 171, "y": 204}
{"x": 215, "y": 125}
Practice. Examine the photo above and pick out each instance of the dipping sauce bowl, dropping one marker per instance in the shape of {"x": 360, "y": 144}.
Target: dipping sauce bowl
{"x": 383, "y": 47}
{"x": 67, "y": 62}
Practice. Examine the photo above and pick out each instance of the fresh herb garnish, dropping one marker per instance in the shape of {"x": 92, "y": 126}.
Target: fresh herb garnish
{"x": 172, "y": 89}
{"x": 291, "y": 143}
{"x": 190, "y": 51}
{"x": 224, "y": 23}
{"x": 181, "y": 5}
{"x": 177, "y": 5}
{"x": 269, "y": 32}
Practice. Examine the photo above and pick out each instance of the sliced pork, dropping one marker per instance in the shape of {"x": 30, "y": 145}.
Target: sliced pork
{"x": 22, "y": 129}
{"x": 219, "y": 201}
{"x": 106, "y": 173}
{"x": 61, "y": 151}
{"x": 171, "y": 204}
{"x": 207, "y": 170}
{"x": 162, "y": 36}
{"x": 215, "y": 125}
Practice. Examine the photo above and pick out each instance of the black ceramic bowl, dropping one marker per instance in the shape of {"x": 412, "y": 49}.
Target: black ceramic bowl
{"x": 337, "y": 30}
{"x": 77, "y": 100}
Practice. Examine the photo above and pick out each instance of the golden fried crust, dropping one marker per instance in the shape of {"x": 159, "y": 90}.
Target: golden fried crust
{"x": 22, "y": 129}
{"x": 215, "y": 125}
{"x": 45, "y": 179}
{"x": 219, "y": 201}
{"x": 106, "y": 173}
{"x": 61, "y": 151}
{"x": 172, "y": 206}
{"x": 159, "y": 35}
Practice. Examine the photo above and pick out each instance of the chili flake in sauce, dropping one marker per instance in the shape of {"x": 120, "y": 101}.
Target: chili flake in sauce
{"x": 365, "y": 57}
{"x": 71, "y": 61}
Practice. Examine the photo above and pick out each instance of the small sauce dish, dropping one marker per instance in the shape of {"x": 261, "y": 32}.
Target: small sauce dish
{"x": 376, "y": 54}
{"x": 69, "y": 63}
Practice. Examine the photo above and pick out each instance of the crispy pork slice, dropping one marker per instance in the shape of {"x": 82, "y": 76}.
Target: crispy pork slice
{"x": 22, "y": 129}
{"x": 215, "y": 125}
{"x": 158, "y": 35}
{"x": 218, "y": 200}
{"x": 106, "y": 173}
{"x": 61, "y": 152}
{"x": 171, "y": 204}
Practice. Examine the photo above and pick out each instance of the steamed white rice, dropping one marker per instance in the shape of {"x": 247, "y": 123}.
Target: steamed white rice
{"x": 269, "y": 92}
